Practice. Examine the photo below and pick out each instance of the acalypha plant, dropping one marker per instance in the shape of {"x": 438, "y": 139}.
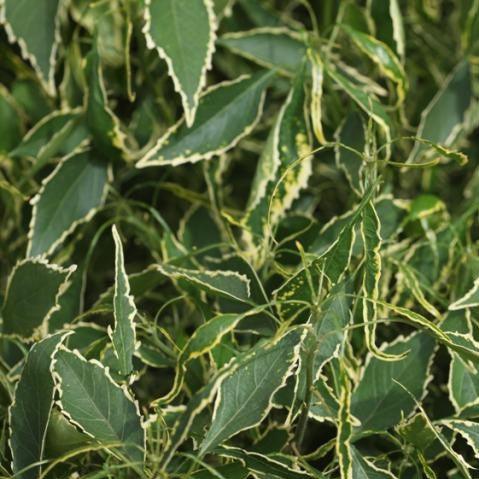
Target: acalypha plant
{"x": 239, "y": 239}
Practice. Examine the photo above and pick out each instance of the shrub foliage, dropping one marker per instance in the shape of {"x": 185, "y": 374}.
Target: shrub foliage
{"x": 239, "y": 239}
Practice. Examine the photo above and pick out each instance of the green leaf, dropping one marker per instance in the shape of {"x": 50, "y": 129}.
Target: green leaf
{"x": 108, "y": 24}
{"x": 279, "y": 179}
{"x": 351, "y": 134}
{"x": 261, "y": 464}
{"x": 417, "y": 432}
{"x": 62, "y": 437}
{"x": 140, "y": 283}
{"x": 103, "y": 410}
{"x": 56, "y": 134}
{"x": 11, "y": 123}
{"x": 29, "y": 413}
{"x": 469, "y": 300}
{"x": 217, "y": 126}
{"x": 33, "y": 291}
{"x": 378, "y": 402}
{"x": 317, "y": 77}
{"x": 183, "y": 33}
{"x": 200, "y": 400}
{"x": 331, "y": 263}
{"x": 366, "y": 102}
{"x": 70, "y": 303}
{"x": 364, "y": 469}
{"x": 467, "y": 429}
{"x": 443, "y": 118}
{"x": 345, "y": 427}
{"x": 260, "y": 13}
{"x": 389, "y": 24}
{"x": 244, "y": 397}
{"x": 222, "y": 7}
{"x": 278, "y": 48}
{"x": 101, "y": 121}
{"x": 228, "y": 284}
{"x": 203, "y": 340}
{"x": 383, "y": 56}
{"x": 123, "y": 335}
{"x": 35, "y": 27}
{"x": 329, "y": 326}
{"x": 231, "y": 471}
{"x": 71, "y": 195}
{"x": 463, "y": 383}
{"x": 370, "y": 232}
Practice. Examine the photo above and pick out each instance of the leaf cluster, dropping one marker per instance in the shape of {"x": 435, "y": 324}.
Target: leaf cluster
{"x": 239, "y": 239}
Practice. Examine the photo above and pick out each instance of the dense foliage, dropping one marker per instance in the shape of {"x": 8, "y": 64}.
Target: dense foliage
{"x": 239, "y": 239}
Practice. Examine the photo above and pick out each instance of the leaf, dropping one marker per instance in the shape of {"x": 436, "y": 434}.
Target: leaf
{"x": 123, "y": 336}
{"x": 140, "y": 283}
{"x": 467, "y": 429}
{"x": 228, "y": 284}
{"x": 364, "y": 469}
{"x": 56, "y": 134}
{"x": 69, "y": 196}
{"x": 417, "y": 432}
{"x": 183, "y": 33}
{"x": 62, "y": 437}
{"x": 443, "y": 118}
{"x": 378, "y": 402}
{"x": 108, "y": 24}
{"x": 261, "y": 463}
{"x": 70, "y": 303}
{"x": 35, "y": 27}
{"x": 244, "y": 397}
{"x": 261, "y": 14}
{"x": 463, "y": 384}
{"x": 103, "y": 410}
{"x": 203, "y": 340}
{"x": 458, "y": 343}
{"x": 469, "y": 300}
{"x": 222, "y": 7}
{"x": 389, "y": 24}
{"x": 317, "y": 75}
{"x": 279, "y": 179}
{"x": 199, "y": 401}
{"x": 101, "y": 121}
{"x": 217, "y": 126}
{"x": 366, "y": 102}
{"x": 406, "y": 274}
{"x": 370, "y": 232}
{"x": 232, "y": 471}
{"x": 33, "y": 291}
{"x": 270, "y": 47}
{"x": 330, "y": 325}
{"x": 345, "y": 428}
{"x": 444, "y": 442}
{"x": 11, "y": 123}
{"x": 331, "y": 263}
{"x": 382, "y": 55}
{"x": 351, "y": 134}
{"x": 29, "y": 413}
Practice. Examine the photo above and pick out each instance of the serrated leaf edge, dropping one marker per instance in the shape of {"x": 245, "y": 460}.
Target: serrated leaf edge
{"x": 34, "y": 202}
{"x": 235, "y": 367}
{"x": 120, "y": 270}
{"x": 401, "y": 339}
{"x": 207, "y": 65}
{"x": 261, "y": 30}
{"x": 10, "y": 431}
{"x": 43, "y": 327}
{"x": 58, "y": 386}
{"x": 49, "y": 83}
{"x": 145, "y": 161}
